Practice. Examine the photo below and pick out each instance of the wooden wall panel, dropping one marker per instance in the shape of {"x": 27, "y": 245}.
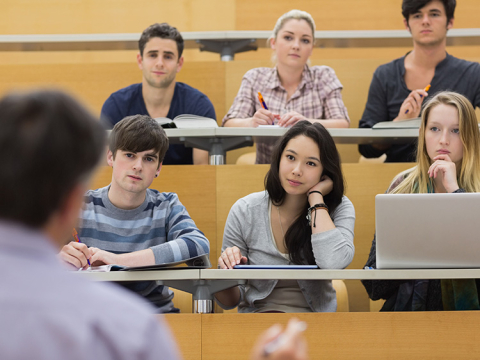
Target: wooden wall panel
{"x": 187, "y": 331}
{"x": 209, "y": 78}
{"x": 94, "y": 82}
{"x": 338, "y": 336}
{"x": 91, "y": 83}
{"x": 123, "y": 16}
{"x": 364, "y": 182}
{"x": 113, "y": 16}
{"x": 233, "y": 183}
{"x": 328, "y": 15}
{"x": 342, "y": 14}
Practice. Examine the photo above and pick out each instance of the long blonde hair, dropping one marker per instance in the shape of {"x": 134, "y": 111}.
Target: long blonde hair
{"x": 468, "y": 176}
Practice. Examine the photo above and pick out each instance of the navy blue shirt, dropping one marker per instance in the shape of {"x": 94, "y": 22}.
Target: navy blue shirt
{"x": 388, "y": 90}
{"x": 186, "y": 100}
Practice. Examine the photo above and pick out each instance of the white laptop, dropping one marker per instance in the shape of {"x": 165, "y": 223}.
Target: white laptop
{"x": 433, "y": 231}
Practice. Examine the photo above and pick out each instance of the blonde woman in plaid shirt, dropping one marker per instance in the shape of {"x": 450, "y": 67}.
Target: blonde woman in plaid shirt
{"x": 292, "y": 90}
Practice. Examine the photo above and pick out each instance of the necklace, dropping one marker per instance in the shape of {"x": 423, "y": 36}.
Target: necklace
{"x": 280, "y": 219}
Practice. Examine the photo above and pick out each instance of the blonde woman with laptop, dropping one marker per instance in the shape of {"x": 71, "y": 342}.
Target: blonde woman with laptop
{"x": 448, "y": 161}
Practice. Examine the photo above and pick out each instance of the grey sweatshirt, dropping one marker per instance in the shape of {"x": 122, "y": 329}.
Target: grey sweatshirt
{"x": 248, "y": 228}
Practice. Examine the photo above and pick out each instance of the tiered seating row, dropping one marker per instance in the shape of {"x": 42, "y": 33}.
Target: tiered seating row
{"x": 208, "y": 192}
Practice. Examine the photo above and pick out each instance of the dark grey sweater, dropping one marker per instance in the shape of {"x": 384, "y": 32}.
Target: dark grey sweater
{"x": 388, "y": 90}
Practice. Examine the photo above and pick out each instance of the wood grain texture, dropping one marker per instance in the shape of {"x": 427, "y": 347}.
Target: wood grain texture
{"x": 108, "y": 16}
{"x": 93, "y": 83}
{"x": 233, "y": 183}
{"x": 209, "y": 78}
{"x": 338, "y": 336}
{"x": 123, "y": 16}
{"x": 187, "y": 330}
{"x": 183, "y": 301}
{"x": 342, "y": 14}
{"x": 364, "y": 182}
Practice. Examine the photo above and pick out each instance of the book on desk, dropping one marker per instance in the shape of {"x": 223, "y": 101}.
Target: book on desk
{"x": 187, "y": 121}
{"x": 197, "y": 262}
{"x": 401, "y": 124}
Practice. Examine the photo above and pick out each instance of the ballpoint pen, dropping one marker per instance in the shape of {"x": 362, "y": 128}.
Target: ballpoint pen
{"x": 262, "y": 102}
{"x": 75, "y": 236}
{"x": 260, "y": 98}
{"x": 426, "y": 89}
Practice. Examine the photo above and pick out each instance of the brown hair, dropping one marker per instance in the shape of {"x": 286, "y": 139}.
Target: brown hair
{"x": 410, "y": 7}
{"x": 162, "y": 31}
{"x": 49, "y": 144}
{"x": 138, "y": 133}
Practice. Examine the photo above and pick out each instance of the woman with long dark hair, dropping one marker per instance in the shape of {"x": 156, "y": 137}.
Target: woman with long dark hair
{"x": 302, "y": 217}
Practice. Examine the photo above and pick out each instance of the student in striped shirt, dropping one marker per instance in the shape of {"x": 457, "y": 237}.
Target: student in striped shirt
{"x": 126, "y": 223}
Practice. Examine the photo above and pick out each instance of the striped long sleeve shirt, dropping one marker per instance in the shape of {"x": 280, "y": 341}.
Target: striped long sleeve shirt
{"x": 161, "y": 224}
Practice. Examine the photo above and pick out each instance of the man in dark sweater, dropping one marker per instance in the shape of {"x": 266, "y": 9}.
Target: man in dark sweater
{"x": 159, "y": 95}
{"x": 397, "y": 90}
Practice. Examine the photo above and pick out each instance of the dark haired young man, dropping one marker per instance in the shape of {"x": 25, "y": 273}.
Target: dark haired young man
{"x": 397, "y": 88}
{"x": 126, "y": 223}
{"x": 50, "y": 146}
{"x": 159, "y": 95}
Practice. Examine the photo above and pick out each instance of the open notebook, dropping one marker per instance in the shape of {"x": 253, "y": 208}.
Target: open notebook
{"x": 187, "y": 121}
{"x": 432, "y": 231}
{"x": 198, "y": 262}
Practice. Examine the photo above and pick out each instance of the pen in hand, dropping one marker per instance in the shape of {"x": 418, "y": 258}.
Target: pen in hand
{"x": 75, "y": 236}
{"x": 262, "y": 102}
{"x": 426, "y": 89}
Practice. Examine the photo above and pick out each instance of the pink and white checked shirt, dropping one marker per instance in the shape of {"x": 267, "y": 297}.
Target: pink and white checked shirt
{"x": 317, "y": 97}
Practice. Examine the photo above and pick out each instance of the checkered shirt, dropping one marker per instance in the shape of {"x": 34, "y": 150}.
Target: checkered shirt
{"x": 317, "y": 97}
